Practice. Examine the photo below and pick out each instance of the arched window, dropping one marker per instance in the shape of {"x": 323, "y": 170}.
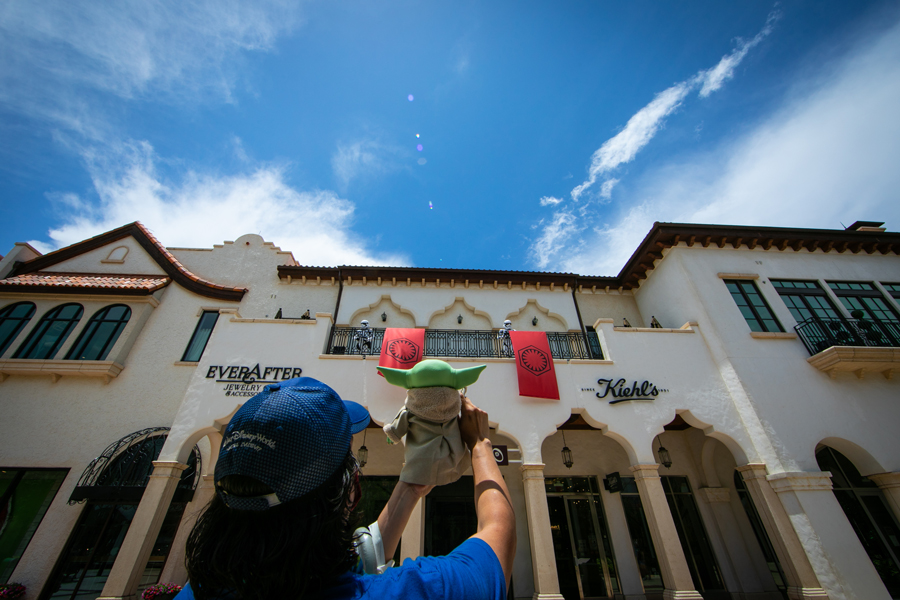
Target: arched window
{"x": 13, "y": 319}
{"x": 112, "y": 485}
{"x": 100, "y": 334}
{"x": 868, "y": 513}
{"x": 46, "y": 338}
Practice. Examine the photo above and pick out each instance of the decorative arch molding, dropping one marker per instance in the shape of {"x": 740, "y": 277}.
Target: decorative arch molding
{"x": 116, "y": 255}
{"x": 858, "y": 455}
{"x": 535, "y": 306}
{"x": 402, "y": 310}
{"x": 468, "y": 308}
{"x": 740, "y": 456}
{"x": 708, "y": 462}
{"x": 604, "y": 430}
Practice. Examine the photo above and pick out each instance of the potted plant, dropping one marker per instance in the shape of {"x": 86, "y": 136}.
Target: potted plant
{"x": 161, "y": 591}
{"x": 11, "y": 590}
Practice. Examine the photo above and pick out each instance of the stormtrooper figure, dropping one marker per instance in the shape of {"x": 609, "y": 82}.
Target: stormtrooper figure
{"x": 364, "y": 337}
{"x": 506, "y": 348}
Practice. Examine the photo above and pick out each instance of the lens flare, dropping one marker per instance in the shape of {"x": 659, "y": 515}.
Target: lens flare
{"x": 422, "y": 161}
{"x": 430, "y": 205}
{"x": 417, "y": 135}
{"x": 410, "y": 98}
{"x": 419, "y": 147}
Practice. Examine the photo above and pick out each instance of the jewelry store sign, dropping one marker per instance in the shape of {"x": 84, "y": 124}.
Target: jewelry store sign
{"x": 243, "y": 381}
{"x": 619, "y": 390}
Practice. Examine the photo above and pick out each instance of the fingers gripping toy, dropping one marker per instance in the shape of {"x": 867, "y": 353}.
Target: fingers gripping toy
{"x": 429, "y": 419}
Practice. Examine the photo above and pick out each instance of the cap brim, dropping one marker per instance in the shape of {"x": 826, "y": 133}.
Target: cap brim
{"x": 359, "y": 416}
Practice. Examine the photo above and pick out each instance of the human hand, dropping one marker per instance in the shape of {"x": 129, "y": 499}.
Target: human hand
{"x": 473, "y": 423}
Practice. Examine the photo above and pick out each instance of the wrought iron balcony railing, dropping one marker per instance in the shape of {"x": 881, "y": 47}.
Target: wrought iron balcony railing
{"x": 821, "y": 334}
{"x": 462, "y": 343}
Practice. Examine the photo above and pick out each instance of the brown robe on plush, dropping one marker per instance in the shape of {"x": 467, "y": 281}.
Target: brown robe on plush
{"x": 435, "y": 453}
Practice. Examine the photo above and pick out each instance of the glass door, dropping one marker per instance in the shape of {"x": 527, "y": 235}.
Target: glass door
{"x": 584, "y": 560}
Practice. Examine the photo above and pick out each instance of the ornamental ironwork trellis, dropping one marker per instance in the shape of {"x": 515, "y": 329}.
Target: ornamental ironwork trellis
{"x": 122, "y": 471}
{"x": 460, "y": 343}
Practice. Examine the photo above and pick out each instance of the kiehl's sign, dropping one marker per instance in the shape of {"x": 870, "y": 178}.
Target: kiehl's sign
{"x": 620, "y": 391}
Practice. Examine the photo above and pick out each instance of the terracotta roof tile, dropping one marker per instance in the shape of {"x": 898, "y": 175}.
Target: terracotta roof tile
{"x": 76, "y": 281}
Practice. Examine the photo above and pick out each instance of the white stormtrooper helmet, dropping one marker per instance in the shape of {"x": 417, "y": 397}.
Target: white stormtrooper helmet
{"x": 365, "y": 323}
{"x": 507, "y": 324}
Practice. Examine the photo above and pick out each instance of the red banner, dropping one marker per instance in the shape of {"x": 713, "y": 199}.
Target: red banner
{"x": 534, "y": 364}
{"x": 401, "y": 348}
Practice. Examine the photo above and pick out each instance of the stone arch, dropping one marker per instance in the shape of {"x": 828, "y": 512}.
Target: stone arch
{"x": 547, "y": 320}
{"x": 582, "y": 430}
{"x": 855, "y": 453}
{"x": 397, "y": 315}
{"x": 446, "y": 318}
{"x": 740, "y": 456}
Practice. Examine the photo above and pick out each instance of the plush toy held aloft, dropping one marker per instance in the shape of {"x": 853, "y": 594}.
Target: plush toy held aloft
{"x": 435, "y": 453}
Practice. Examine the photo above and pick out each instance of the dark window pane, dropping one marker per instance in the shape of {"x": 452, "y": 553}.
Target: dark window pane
{"x": 13, "y": 319}
{"x": 31, "y": 495}
{"x": 201, "y": 336}
{"x": 101, "y": 333}
{"x": 50, "y": 333}
{"x": 641, "y": 541}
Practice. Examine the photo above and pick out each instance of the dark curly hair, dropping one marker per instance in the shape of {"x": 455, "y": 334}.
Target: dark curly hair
{"x": 289, "y": 551}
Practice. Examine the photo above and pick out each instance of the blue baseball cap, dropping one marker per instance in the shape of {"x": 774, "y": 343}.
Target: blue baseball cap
{"x": 292, "y": 437}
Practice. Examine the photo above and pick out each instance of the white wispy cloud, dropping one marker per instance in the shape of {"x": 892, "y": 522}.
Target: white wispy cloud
{"x": 59, "y": 55}
{"x": 550, "y": 201}
{"x": 714, "y": 78}
{"x": 201, "y": 209}
{"x": 827, "y": 155}
{"x": 639, "y": 130}
{"x": 561, "y": 228}
{"x": 364, "y": 157}
{"x": 623, "y": 147}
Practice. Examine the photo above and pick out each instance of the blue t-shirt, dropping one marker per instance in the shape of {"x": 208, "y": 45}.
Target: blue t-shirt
{"x": 471, "y": 572}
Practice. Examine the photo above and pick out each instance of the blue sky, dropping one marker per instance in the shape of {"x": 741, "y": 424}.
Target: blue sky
{"x": 553, "y": 134}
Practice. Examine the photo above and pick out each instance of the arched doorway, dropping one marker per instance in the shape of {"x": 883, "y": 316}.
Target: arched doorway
{"x": 868, "y": 513}
{"x": 112, "y": 486}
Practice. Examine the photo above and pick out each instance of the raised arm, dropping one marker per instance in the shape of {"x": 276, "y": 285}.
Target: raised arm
{"x": 496, "y": 519}
{"x": 395, "y": 515}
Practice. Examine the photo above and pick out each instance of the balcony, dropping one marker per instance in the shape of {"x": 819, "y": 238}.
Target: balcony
{"x": 857, "y": 345}
{"x": 461, "y": 343}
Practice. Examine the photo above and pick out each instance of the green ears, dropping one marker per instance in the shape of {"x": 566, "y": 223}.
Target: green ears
{"x": 432, "y": 373}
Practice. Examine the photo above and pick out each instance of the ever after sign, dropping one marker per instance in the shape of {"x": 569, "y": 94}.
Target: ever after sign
{"x": 244, "y": 381}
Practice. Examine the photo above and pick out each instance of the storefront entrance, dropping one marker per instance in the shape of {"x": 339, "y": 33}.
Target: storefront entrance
{"x": 585, "y": 564}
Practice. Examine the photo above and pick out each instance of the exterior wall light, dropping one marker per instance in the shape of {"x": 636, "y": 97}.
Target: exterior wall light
{"x": 663, "y": 454}
{"x": 459, "y": 319}
{"x": 534, "y": 321}
{"x": 363, "y": 454}
{"x": 566, "y": 453}
{"x": 384, "y": 316}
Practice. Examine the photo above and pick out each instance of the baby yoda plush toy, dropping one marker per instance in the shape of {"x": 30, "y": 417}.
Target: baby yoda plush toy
{"x": 429, "y": 419}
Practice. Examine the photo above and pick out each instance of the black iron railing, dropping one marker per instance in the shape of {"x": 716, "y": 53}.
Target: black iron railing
{"x": 462, "y": 343}
{"x": 821, "y": 334}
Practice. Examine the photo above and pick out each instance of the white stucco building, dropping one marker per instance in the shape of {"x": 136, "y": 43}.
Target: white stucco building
{"x": 769, "y": 384}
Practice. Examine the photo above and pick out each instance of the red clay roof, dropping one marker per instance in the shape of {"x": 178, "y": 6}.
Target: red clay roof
{"x": 81, "y": 283}
{"x": 152, "y": 246}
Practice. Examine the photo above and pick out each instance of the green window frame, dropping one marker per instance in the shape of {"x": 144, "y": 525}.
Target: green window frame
{"x": 805, "y": 300}
{"x": 864, "y": 296}
{"x": 752, "y": 305}
{"x": 101, "y": 333}
{"x": 200, "y": 337}
{"x": 13, "y": 319}
{"x": 51, "y": 332}
{"x": 893, "y": 289}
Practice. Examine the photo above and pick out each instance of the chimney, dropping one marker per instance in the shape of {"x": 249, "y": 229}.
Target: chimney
{"x": 871, "y": 226}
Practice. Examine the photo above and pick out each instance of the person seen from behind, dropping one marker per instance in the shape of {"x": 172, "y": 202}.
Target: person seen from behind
{"x": 281, "y": 524}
